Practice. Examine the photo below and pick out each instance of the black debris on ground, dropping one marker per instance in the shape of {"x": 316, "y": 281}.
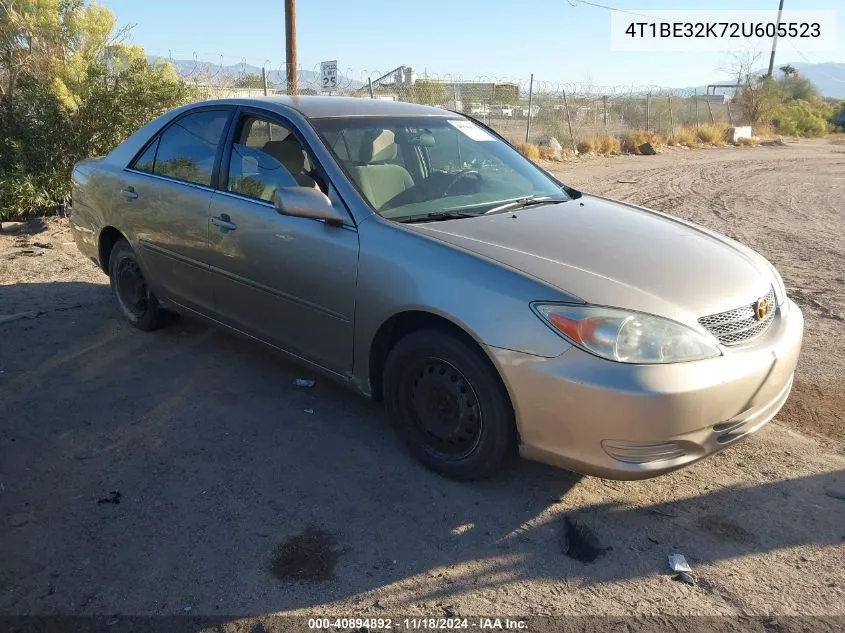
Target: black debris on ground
{"x": 685, "y": 577}
{"x": 114, "y": 498}
{"x": 580, "y": 542}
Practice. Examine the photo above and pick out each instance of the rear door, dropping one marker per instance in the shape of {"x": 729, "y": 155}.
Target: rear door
{"x": 286, "y": 280}
{"x": 165, "y": 195}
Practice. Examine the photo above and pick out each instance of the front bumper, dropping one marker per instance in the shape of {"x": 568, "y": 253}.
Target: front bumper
{"x": 621, "y": 421}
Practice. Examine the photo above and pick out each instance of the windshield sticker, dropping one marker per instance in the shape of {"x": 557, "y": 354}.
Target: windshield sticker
{"x": 470, "y": 129}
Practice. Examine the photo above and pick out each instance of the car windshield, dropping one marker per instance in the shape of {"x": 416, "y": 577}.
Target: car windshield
{"x": 419, "y": 168}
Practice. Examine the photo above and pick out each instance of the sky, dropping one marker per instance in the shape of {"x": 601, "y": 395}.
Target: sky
{"x": 557, "y": 40}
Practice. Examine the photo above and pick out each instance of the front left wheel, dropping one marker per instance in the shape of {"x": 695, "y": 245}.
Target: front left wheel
{"x": 137, "y": 302}
{"x": 449, "y": 405}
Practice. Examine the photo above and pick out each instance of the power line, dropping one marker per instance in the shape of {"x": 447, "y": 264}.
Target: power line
{"x": 810, "y": 61}
{"x": 604, "y": 6}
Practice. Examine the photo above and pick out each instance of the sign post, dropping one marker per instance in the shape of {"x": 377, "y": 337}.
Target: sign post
{"x": 328, "y": 76}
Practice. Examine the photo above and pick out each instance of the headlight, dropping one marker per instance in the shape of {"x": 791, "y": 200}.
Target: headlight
{"x": 627, "y": 337}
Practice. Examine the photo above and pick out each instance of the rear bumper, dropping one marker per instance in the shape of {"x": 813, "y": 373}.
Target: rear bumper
{"x": 622, "y": 421}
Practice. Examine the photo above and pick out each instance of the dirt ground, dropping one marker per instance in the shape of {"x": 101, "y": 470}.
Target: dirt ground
{"x": 183, "y": 472}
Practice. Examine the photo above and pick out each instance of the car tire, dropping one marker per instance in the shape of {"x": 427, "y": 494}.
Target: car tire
{"x": 448, "y": 405}
{"x": 137, "y": 302}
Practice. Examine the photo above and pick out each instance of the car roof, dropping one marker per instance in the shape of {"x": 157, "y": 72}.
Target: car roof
{"x": 315, "y": 107}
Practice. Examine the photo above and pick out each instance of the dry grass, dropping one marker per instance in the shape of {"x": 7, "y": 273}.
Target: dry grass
{"x": 763, "y": 130}
{"x": 586, "y": 146}
{"x": 713, "y": 134}
{"x": 685, "y": 136}
{"x": 604, "y": 145}
{"x": 747, "y": 141}
{"x": 630, "y": 143}
{"x": 529, "y": 150}
{"x": 547, "y": 153}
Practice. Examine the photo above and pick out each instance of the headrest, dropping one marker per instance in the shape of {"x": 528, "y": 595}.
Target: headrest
{"x": 378, "y": 147}
{"x": 288, "y": 152}
{"x": 423, "y": 139}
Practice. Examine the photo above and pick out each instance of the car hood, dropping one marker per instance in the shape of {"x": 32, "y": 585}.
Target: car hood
{"x": 613, "y": 254}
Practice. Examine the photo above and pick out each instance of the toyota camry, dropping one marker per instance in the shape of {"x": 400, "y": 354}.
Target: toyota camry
{"x": 413, "y": 255}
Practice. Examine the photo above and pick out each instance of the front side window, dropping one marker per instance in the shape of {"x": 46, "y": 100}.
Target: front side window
{"x": 408, "y": 168}
{"x": 188, "y": 147}
{"x": 265, "y": 156}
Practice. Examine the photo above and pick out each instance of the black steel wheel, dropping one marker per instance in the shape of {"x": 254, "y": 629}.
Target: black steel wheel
{"x": 131, "y": 289}
{"x": 135, "y": 298}
{"x": 448, "y": 404}
{"x": 443, "y": 407}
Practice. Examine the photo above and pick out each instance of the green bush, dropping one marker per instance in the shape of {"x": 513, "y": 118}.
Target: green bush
{"x": 803, "y": 118}
{"x": 68, "y": 92}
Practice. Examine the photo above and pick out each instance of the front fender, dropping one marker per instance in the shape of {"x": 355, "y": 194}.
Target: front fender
{"x": 400, "y": 271}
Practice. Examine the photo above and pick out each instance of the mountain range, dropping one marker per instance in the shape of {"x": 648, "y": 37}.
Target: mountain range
{"x": 828, "y": 77}
{"x": 214, "y": 74}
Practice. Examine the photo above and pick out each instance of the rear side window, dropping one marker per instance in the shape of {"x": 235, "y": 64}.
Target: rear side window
{"x": 146, "y": 161}
{"x": 186, "y": 149}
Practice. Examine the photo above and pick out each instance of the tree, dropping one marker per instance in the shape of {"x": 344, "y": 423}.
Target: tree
{"x": 788, "y": 71}
{"x": 69, "y": 88}
{"x": 758, "y": 95}
{"x": 55, "y": 40}
{"x": 797, "y": 87}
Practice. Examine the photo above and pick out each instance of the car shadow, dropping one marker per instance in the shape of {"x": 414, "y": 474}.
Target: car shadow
{"x": 30, "y": 226}
{"x": 219, "y": 459}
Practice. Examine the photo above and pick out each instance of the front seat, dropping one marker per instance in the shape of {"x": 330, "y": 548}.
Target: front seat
{"x": 289, "y": 153}
{"x": 379, "y": 180}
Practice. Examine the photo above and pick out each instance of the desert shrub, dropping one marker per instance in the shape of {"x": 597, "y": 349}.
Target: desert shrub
{"x": 712, "y": 134}
{"x": 763, "y": 130}
{"x": 630, "y": 143}
{"x": 586, "y": 146}
{"x": 69, "y": 92}
{"x": 603, "y": 145}
{"x": 27, "y": 194}
{"x": 758, "y": 98}
{"x": 547, "y": 153}
{"x": 804, "y": 118}
{"x": 685, "y": 136}
{"x": 529, "y": 150}
{"x": 838, "y": 118}
{"x": 609, "y": 145}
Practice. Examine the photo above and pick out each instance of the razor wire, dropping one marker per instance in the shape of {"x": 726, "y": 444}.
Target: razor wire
{"x": 566, "y": 111}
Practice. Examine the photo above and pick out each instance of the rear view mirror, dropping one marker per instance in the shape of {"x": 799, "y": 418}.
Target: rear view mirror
{"x": 305, "y": 202}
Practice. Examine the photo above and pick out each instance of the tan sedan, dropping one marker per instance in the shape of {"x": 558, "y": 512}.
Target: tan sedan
{"x": 413, "y": 255}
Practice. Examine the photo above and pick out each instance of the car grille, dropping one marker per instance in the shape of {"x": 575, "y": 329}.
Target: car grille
{"x": 739, "y": 326}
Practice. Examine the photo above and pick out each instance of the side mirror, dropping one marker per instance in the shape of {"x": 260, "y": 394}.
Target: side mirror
{"x": 305, "y": 202}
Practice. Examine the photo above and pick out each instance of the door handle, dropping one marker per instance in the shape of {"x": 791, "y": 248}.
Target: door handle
{"x": 224, "y": 222}
{"x": 129, "y": 193}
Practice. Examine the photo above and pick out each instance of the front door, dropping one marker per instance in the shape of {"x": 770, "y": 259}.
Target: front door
{"x": 286, "y": 280}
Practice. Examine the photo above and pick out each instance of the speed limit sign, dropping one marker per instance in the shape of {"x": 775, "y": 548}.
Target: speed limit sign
{"x": 328, "y": 73}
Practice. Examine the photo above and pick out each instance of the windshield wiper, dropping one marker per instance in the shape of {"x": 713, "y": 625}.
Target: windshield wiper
{"x": 434, "y": 216}
{"x": 521, "y": 203}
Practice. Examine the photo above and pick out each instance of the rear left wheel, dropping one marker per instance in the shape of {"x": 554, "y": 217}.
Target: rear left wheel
{"x": 448, "y": 405}
{"x": 137, "y": 302}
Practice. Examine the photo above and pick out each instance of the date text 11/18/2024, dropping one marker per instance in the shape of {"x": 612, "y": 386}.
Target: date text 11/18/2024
{"x": 418, "y": 623}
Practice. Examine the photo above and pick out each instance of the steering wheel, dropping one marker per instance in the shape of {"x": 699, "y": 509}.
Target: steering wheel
{"x": 461, "y": 175}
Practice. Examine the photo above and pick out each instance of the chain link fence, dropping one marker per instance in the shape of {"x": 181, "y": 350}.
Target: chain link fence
{"x": 524, "y": 110}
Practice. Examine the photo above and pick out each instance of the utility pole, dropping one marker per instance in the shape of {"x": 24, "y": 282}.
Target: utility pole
{"x": 290, "y": 47}
{"x": 775, "y": 41}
